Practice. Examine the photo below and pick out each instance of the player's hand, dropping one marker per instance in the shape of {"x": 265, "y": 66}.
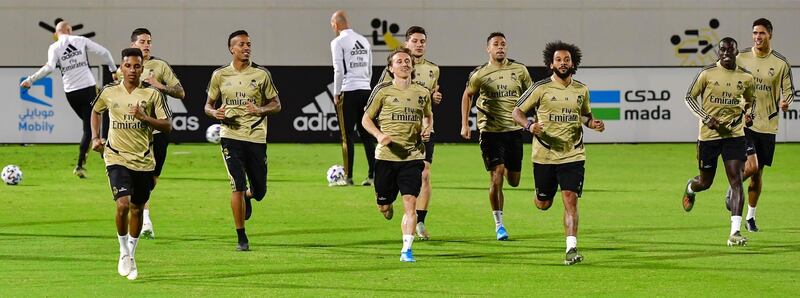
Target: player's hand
{"x": 784, "y": 105}
{"x": 337, "y": 100}
{"x": 25, "y": 84}
{"x": 713, "y": 123}
{"x": 137, "y": 112}
{"x": 97, "y": 144}
{"x": 252, "y": 109}
{"x": 537, "y": 128}
{"x": 748, "y": 119}
{"x": 219, "y": 114}
{"x": 384, "y": 139}
{"x": 426, "y": 134}
{"x": 466, "y": 133}
{"x": 597, "y": 125}
{"x": 437, "y": 96}
{"x": 151, "y": 80}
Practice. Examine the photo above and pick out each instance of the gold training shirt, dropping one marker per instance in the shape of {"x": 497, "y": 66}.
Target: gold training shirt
{"x": 499, "y": 88}
{"x": 129, "y": 141}
{"x": 158, "y": 69}
{"x": 559, "y": 108}
{"x": 235, "y": 88}
{"x": 773, "y": 77}
{"x": 400, "y": 113}
{"x": 721, "y": 90}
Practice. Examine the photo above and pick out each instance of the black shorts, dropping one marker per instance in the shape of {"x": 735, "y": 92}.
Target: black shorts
{"x": 392, "y": 177}
{"x": 246, "y": 161}
{"x": 160, "y": 143}
{"x": 548, "y": 177}
{"x": 761, "y": 144}
{"x": 730, "y": 149}
{"x": 502, "y": 148}
{"x": 429, "y": 150}
{"x": 126, "y": 182}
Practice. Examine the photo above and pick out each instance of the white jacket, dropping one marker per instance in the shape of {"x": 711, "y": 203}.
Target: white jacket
{"x": 352, "y": 62}
{"x": 69, "y": 54}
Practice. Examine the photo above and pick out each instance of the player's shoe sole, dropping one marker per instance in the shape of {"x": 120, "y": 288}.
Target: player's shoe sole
{"x": 422, "y": 232}
{"x": 750, "y": 224}
{"x": 502, "y": 234}
{"x": 148, "y": 234}
{"x": 728, "y": 195}
{"x": 688, "y": 199}
{"x": 124, "y": 265}
{"x": 248, "y": 208}
{"x": 407, "y": 257}
{"x": 737, "y": 239}
{"x": 573, "y": 257}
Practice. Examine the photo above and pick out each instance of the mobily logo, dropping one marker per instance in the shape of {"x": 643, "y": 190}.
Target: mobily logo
{"x": 320, "y": 115}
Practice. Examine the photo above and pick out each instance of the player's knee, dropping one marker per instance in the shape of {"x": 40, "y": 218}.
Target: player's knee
{"x": 543, "y": 204}
{"x": 259, "y": 194}
{"x": 426, "y": 175}
{"x": 513, "y": 181}
{"x": 123, "y": 204}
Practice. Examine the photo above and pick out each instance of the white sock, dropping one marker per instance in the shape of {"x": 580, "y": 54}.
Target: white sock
{"x": 123, "y": 245}
{"x": 498, "y": 218}
{"x": 407, "y": 241}
{"x": 689, "y": 189}
{"x": 751, "y": 212}
{"x": 736, "y": 222}
{"x": 572, "y": 241}
{"x": 147, "y": 217}
{"x": 132, "y": 245}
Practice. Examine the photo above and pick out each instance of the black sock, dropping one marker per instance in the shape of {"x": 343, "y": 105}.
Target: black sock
{"x": 421, "y": 215}
{"x": 242, "y": 236}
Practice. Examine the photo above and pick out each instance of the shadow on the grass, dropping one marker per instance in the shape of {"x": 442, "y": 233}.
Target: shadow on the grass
{"x": 50, "y": 258}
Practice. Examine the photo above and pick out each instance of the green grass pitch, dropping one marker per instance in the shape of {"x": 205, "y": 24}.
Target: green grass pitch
{"x": 57, "y": 235}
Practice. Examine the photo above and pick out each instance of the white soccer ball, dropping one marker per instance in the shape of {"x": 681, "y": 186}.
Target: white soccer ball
{"x": 212, "y": 133}
{"x": 335, "y": 173}
{"x": 12, "y": 175}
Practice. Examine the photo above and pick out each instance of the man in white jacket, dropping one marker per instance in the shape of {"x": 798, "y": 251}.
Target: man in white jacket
{"x": 68, "y": 53}
{"x": 352, "y": 72}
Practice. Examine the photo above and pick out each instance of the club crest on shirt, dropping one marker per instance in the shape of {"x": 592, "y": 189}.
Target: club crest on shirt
{"x": 253, "y": 84}
{"x": 739, "y": 85}
{"x": 771, "y": 71}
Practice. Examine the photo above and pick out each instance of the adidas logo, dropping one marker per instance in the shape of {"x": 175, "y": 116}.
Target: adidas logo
{"x": 71, "y": 51}
{"x": 320, "y": 114}
{"x": 183, "y": 122}
{"x": 358, "y": 49}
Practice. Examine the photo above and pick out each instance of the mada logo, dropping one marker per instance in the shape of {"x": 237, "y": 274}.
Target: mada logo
{"x": 696, "y": 46}
{"x": 385, "y": 37}
{"x": 52, "y": 28}
{"x": 319, "y": 115}
{"x": 606, "y": 104}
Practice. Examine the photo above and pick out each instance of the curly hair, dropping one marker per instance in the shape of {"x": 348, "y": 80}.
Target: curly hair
{"x": 552, "y": 47}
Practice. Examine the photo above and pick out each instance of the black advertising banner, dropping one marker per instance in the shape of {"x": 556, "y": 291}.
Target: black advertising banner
{"x": 308, "y": 114}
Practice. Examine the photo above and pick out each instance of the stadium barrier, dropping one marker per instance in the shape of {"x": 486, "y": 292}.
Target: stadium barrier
{"x": 638, "y": 104}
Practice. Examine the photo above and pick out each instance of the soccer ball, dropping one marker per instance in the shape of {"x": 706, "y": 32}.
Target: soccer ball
{"x": 335, "y": 173}
{"x": 212, "y": 133}
{"x": 12, "y": 175}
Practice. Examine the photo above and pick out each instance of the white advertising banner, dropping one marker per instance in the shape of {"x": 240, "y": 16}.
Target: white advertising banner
{"x": 40, "y": 114}
{"x": 646, "y": 105}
